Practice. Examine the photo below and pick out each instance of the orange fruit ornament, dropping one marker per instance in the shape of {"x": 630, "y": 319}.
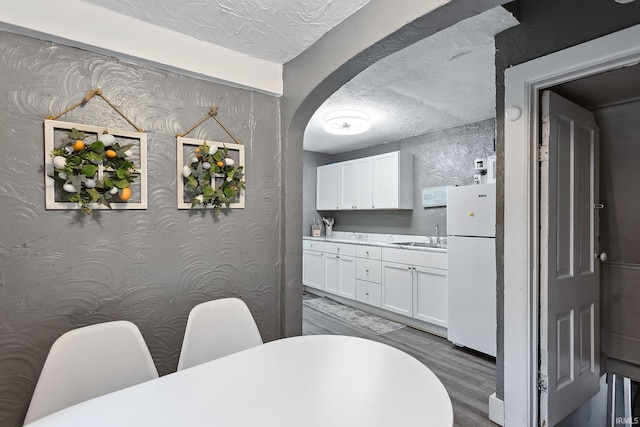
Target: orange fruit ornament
{"x": 110, "y": 153}
{"x": 125, "y": 194}
{"x": 221, "y": 164}
{"x": 78, "y": 145}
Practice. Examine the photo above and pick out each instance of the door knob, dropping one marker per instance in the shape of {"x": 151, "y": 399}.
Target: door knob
{"x": 602, "y": 256}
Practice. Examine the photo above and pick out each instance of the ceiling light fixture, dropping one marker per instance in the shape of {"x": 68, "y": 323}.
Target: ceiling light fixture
{"x": 346, "y": 123}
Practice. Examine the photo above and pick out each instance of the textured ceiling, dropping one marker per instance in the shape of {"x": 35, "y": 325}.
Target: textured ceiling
{"x": 446, "y": 80}
{"x": 275, "y": 30}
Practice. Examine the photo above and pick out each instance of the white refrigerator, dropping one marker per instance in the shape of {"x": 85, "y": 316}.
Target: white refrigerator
{"x": 471, "y": 249}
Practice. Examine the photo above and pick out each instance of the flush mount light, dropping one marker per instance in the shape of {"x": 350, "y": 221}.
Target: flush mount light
{"x": 623, "y": 1}
{"x": 346, "y": 123}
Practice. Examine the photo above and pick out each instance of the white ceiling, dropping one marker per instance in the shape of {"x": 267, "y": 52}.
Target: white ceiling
{"x": 275, "y": 30}
{"x": 445, "y": 81}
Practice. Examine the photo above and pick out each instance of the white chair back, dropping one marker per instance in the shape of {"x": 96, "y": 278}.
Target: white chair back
{"x": 89, "y": 362}
{"x": 216, "y": 329}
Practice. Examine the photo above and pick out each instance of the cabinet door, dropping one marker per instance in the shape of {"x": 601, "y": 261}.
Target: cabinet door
{"x": 364, "y": 184}
{"x": 348, "y": 185}
{"x": 327, "y": 187}
{"x": 331, "y": 273}
{"x": 397, "y": 288}
{"x": 430, "y": 295}
{"x": 385, "y": 178}
{"x": 313, "y": 269}
{"x": 347, "y": 282}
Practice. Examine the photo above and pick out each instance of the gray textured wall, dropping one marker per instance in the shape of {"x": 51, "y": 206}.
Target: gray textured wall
{"x": 439, "y": 158}
{"x": 62, "y": 269}
{"x": 546, "y": 26}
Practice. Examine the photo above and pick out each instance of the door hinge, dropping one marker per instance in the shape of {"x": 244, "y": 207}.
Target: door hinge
{"x": 542, "y": 383}
{"x": 543, "y": 153}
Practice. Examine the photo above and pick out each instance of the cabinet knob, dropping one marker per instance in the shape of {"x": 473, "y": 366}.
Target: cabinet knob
{"x": 367, "y": 270}
{"x": 366, "y": 293}
{"x": 338, "y": 256}
{"x": 367, "y": 253}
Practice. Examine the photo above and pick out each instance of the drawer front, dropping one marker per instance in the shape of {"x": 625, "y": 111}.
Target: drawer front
{"x": 369, "y": 270}
{"x": 418, "y": 258}
{"x": 369, "y": 252}
{"x": 313, "y": 245}
{"x": 368, "y": 293}
{"x": 340, "y": 248}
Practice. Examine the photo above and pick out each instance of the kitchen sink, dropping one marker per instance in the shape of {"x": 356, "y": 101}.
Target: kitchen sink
{"x": 420, "y": 244}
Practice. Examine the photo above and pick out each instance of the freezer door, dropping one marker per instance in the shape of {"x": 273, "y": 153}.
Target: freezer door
{"x": 471, "y": 210}
{"x": 472, "y": 293}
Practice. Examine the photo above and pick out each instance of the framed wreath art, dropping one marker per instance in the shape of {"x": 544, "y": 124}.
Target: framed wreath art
{"x": 212, "y": 174}
{"x": 90, "y": 167}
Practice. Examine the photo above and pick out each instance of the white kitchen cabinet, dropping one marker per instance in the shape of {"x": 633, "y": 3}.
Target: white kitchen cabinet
{"x": 313, "y": 263}
{"x": 340, "y": 275}
{"x": 313, "y": 269}
{"x": 328, "y": 181}
{"x": 384, "y": 181}
{"x": 364, "y": 183}
{"x": 368, "y": 293}
{"x": 397, "y": 288}
{"x": 414, "y": 283}
{"x": 392, "y": 181}
{"x": 368, "y": 275}
{"x": 331, "y": 273}
{"x": 340, "y": 269}
{"x": 430, "y": 295}
{"x": 348, "y": 185}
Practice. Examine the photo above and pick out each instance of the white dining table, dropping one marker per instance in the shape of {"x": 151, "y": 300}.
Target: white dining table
{"x": 316, "y": 380}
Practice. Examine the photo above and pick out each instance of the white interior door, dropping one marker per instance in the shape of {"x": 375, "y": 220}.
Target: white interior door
{"x": 569, "y": 269}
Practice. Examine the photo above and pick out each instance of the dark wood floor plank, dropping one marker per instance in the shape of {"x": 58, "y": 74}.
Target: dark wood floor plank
{"x": 468, "y": 377}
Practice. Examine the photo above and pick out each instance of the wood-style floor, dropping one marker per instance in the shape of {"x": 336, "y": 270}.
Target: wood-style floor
{"x": 468, "y": 377}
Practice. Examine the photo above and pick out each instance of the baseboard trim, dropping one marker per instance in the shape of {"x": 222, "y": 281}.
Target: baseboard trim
{"x": 496, "y": 410}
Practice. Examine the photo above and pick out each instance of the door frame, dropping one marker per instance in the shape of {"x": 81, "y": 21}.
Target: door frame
{"x": 522, "y": 203}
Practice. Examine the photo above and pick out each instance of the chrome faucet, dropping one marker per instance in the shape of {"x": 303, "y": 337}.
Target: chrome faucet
{"x": 437, "y": 234}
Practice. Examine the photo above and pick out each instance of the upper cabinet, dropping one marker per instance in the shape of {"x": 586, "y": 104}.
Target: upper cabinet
{"x": 327, "y": 194}
{"x": 384, "y": 181}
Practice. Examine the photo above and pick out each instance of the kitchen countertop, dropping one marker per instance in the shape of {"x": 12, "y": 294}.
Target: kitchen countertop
{"x": 381, "y": 240}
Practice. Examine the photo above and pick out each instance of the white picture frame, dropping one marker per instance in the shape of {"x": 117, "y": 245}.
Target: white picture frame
{"x": 54, "y": 133}
{"x": 185, "y": 147}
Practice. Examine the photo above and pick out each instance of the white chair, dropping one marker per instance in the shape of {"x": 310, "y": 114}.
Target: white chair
{"x": 216, "y": 329}
{"x": 89, "y": 362}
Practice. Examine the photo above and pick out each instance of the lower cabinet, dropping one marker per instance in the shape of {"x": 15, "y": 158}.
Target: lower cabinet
{"x": 397, "y": 288}
{"x": 416, "y": 291}
{"x": 368, "y": 293}
{"x": 340, "y": 275}
{"x": 313, "y": 269}
{"x": 430, "y": 295}
{"x": 407, "y": 282}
